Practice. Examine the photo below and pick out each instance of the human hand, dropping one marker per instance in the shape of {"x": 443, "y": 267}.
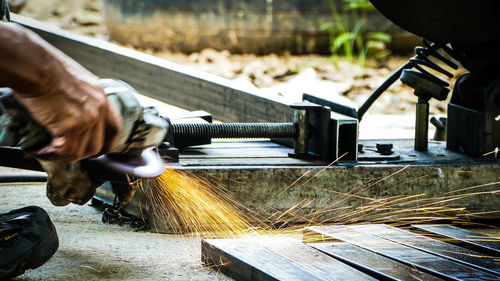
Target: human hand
{"x": 79, "y": 117}
{"x": 59, "y": 93}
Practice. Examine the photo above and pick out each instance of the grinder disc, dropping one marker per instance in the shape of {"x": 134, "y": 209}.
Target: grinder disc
{"x": 146, "y": 165}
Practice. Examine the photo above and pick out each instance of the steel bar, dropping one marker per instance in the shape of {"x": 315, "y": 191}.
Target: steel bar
{"x": 245, "y": 261}
{"x": 422, "y": 125}
{"x": 432, "y": 246}
{"x": 478, "y": 241}
{"x": 440, "y": 267}
{"x": 274, "y": 258}
{"x": 375, "y": 265}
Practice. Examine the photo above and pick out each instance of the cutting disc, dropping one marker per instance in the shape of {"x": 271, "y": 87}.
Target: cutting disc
{"x": 147, "y": 164}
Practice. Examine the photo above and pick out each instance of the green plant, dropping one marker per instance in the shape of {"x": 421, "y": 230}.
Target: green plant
{"x": 347, "y": 34}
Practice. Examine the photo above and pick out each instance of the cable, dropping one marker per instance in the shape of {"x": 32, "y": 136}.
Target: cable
{"x": 422, "y": 58}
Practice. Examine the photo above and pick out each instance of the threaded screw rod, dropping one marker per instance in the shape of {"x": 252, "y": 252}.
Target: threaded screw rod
{"x": 235, "y": 130}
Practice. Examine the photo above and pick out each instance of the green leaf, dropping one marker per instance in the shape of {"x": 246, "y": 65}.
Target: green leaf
{"x": 341, "y": 39}
{"x": 380, "y": 36}
{"x": 358, "y": 5}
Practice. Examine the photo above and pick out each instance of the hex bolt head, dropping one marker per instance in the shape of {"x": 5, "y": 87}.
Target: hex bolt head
{"x": 384, "y": 148}
{"x": 360, "y": 148}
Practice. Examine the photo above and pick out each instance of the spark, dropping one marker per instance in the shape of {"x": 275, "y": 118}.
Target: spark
{"x": 188, "y": 204}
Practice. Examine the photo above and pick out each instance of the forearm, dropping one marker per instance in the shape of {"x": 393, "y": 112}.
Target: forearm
{"x": 29, "y": 65}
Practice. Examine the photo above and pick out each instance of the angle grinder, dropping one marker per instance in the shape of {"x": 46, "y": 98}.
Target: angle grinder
{"x": 133, "y": 156}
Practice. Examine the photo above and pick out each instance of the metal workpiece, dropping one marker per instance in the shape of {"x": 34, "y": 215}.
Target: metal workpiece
{"x": 313, "y": 121}
{"x": 426, "y": 262}
{"x": 422, "y": 125}
{"x": 381, "y": 267}
{"x": 332, "y": 136}
{"x": 479, "y": 242}
{"x": 317, "y": 133}
{"x": 348, "y": 252}
{"x": 255, "y": 171}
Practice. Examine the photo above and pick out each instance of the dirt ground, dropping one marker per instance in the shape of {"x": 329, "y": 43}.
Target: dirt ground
{"x": 92, "y": 250}
{"x": 281, "y": 74}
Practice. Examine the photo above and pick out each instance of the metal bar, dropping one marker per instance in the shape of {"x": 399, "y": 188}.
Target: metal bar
{"x": 370, "y": 263}
{"x": 163, "y": 80}
{"x": 321, "y": 264}
{"x": 422, "y": 125}
{"x": 478, "y": 241}
{"x": 440, "y": 267}
{"x": 446, "y": 250}
{"x": 244, "y": 260}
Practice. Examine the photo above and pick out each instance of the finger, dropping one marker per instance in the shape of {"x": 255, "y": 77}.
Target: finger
{"x": 112, "y": 130}
{"x": 95, "y": 139}
{"x": 82, "y": 150}
{"x": 53, "y": 150}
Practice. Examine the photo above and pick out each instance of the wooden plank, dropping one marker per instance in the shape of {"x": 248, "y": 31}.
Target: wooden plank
{"x": 249, "y": 259}
{"x": 479, "y": 241}
{"x": 377, "y": 266}
{"x": 164, "y": 80}
{"x": 432, "y": 246}
{"x": 440, "y": 267}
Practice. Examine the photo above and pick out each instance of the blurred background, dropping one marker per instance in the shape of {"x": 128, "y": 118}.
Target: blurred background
{"x": 340, "y": 49}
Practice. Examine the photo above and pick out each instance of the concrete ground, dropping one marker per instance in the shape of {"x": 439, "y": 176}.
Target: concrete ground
{"x": 92, "y": 250}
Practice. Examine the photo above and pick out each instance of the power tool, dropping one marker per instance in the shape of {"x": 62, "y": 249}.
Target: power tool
{"x": 134, "y": 154}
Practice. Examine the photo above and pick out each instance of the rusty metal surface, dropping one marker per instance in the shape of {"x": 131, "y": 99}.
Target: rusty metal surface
{"x": 261, "y": 176}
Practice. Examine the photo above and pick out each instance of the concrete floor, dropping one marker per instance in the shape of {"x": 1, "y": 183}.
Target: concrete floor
{"x": 92, "y": 250}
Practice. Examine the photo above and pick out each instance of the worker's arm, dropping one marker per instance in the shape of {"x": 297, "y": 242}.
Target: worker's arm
{"x": 59, "y": 93}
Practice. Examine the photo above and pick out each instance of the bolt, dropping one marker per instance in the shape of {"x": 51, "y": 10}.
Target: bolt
{"x": 360, "y": 148}
{"x": 235, "y": 130}
{"x": 384, "y": 148}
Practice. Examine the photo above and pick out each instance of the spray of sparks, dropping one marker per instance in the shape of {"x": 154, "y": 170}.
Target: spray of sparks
{"x": 189, "y": 204}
